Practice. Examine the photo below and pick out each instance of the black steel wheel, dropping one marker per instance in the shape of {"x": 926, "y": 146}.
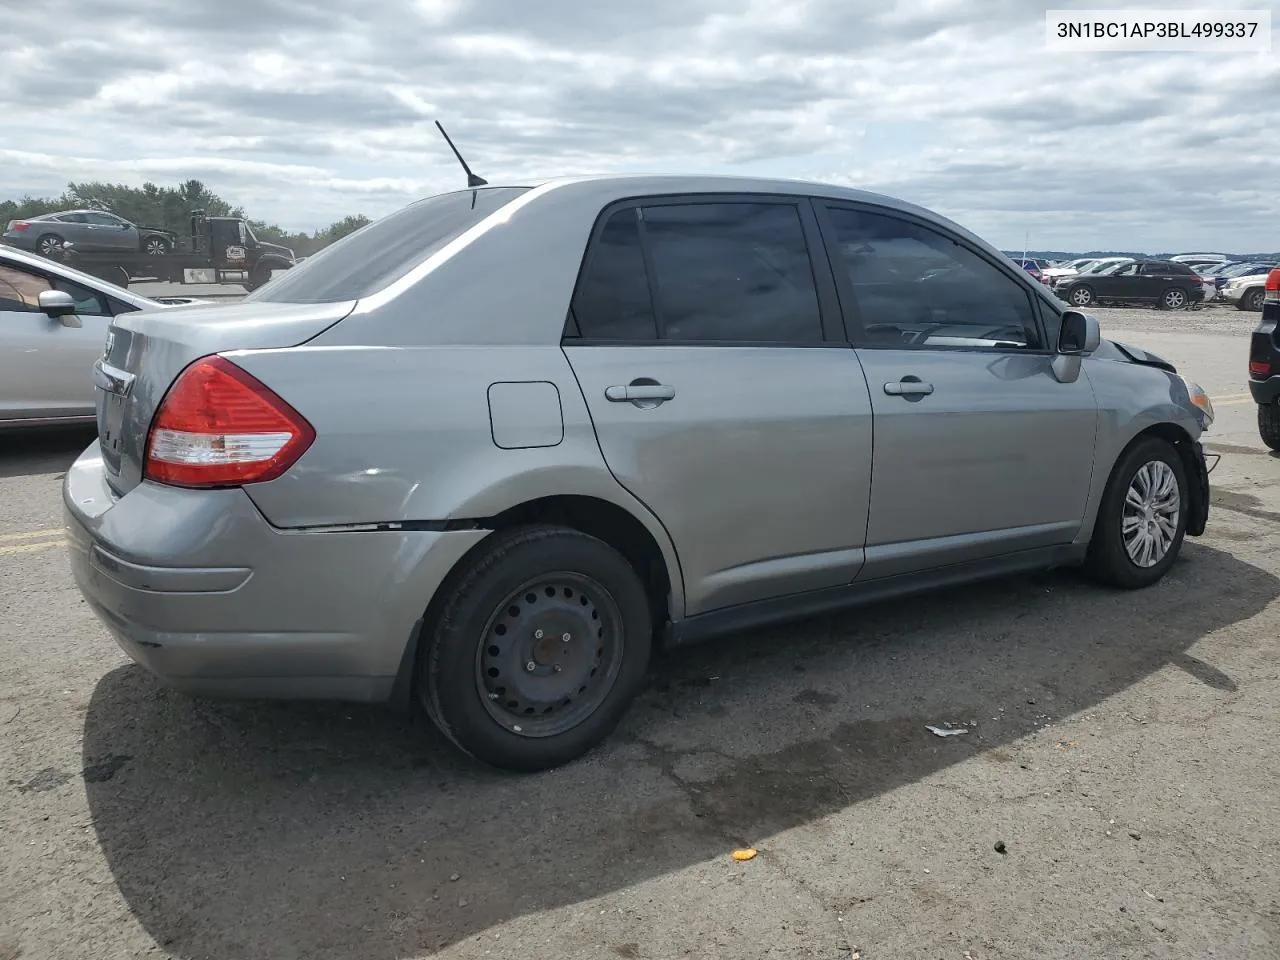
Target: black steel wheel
{"x": 551, "y": 654}
{"x": 540, "y": 644}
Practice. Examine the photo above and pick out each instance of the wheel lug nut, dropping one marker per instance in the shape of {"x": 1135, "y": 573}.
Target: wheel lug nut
{"x": 531, "y": 666}
{"x": 558, "y": 668}
{"x": 566, "y": 638}
{"x": 537, "y": 634}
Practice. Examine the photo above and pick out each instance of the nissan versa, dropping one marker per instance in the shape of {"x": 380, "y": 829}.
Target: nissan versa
{"x": 486, "y": 452}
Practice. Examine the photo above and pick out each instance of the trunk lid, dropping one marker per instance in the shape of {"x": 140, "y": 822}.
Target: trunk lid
{"x": 147, "y": 349}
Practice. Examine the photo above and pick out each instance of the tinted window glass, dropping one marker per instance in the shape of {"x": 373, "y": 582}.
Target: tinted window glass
{"x": 612, "y": 301}
{"x": 733, "y": 271}
{"x": 1128, "y": 270}
{"x": 916, "y": 287}
{"x": 88, "y": 302}
{"x": 103, "y": 220}
{"x": 20, "y": 291}
{"x": 377, "y": 255}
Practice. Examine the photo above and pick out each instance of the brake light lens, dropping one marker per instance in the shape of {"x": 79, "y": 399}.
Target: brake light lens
{"x": 18, "y": 226}
{"x": 1259, "y": 368}
{"x": 1272, "y": 287}
{"x": 218, "y": 426}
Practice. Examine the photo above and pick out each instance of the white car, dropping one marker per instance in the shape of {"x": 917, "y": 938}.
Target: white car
{"x": 1246, "y": 293}
{"x": 53, "y": 328}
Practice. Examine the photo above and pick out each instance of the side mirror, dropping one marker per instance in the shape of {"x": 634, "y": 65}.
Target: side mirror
{"x": 1080, "y": 334}
{"x": 59, "y": 305}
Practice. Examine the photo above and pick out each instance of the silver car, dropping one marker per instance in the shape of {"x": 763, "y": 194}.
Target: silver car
{"x": 487, "y": 451}
{"x": 88, "y": 230}
{"x": 53, "y": 325}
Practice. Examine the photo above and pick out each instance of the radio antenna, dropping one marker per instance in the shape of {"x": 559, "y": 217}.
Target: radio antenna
{"x": 472, "y": 179}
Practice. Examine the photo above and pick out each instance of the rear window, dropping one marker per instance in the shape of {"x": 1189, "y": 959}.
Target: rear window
{"x": 364, "y": 262}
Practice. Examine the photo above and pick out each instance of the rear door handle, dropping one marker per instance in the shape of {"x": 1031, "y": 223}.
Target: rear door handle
{"x": 908, "y": 388}
{"x": 639, "y": 391}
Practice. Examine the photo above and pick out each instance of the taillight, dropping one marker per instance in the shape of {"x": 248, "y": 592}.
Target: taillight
{"x": 1195, "y": 279}
{"x": 1259, "y": 368}
{"x": 18, "y": 226}
{"x": 218, "y": 426}
{"x": 1272, "y": 288}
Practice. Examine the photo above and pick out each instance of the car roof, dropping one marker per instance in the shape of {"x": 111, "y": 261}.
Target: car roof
{"x": 13, "y": 255}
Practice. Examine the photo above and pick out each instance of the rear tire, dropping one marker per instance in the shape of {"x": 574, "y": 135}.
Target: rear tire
{"x": 496, "y": 674}
{"x": 1269, "y": 424}
{"x": 1145, "y": 502}
{"x": 1173, "y": 299}
{"x": 1251, "y": 301}
{"x": 48, "y": 244}
{"x": 157, "y": 247}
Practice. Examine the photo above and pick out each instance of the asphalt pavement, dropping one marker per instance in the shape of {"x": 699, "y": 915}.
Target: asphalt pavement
{"x": 1122, "y": 755}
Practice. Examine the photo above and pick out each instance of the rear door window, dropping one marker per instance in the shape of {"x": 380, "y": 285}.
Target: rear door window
{"x": 613, "y": 300}
{"x": 732, "y": 272}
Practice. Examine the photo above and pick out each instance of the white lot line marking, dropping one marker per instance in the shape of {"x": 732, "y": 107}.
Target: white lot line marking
{"x": 1232, "y": 401}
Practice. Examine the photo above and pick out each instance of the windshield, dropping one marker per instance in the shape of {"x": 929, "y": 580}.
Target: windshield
{"x": 1106, "y": 269}
{"x": 364, "y": 262}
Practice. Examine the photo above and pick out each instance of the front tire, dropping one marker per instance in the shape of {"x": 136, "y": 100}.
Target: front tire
{"x": 1081, "y": 296}
{"x": 497, "y": 674}
{"x": 1142, "y": 519}
{"x": 1269, "y": 424}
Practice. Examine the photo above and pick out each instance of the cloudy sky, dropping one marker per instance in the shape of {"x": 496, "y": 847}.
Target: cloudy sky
{"x": 307, "y": 110}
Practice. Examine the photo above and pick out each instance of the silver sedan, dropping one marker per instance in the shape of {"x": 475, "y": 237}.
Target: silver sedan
{"x": 53, "y": 327}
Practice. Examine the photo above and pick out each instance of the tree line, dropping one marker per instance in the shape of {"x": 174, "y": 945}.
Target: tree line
{"x": 170, "y": 207}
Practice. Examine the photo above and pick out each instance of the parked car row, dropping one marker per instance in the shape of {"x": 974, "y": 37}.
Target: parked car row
{"x": 1133, "y": 280}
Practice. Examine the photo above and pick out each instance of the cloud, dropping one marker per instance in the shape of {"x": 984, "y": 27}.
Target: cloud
{"x": 303, "y": 112}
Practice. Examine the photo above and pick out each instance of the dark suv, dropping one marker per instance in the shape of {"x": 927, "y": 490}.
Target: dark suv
{"x": 1264, "y": 363}
{"x": 1166, "y": 283}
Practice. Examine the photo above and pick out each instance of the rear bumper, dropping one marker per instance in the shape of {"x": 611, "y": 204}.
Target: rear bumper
{"x": 200, "y": 590}
{"x": 1265, "y": 391}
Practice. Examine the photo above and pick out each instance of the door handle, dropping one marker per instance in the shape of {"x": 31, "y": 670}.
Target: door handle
{"x": 908, "y": 388}
{"x": 639, "y": 391}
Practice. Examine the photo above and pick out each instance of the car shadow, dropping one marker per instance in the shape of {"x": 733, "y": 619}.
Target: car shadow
{"x": 31, "y": 452}
{"x": 298, "y": 830}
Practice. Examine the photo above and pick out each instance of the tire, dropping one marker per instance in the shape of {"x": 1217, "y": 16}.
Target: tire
{"x": 1269, "y": 424}
{"x": 47, "y": 244}
{"x": 257, "y": 277}
{"x": 510, "y": 696}
{"x": 1252, "y": 300}
{"x": 1174, "y": 298}
{"x": 156, "y": 247}
{"x": 1109, "y": 560}
{"x": 1081, "y": 296}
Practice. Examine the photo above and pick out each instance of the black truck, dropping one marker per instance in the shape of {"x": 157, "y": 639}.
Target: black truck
{"x": 219, "y": 250}
{"x": 1264, "y": 363}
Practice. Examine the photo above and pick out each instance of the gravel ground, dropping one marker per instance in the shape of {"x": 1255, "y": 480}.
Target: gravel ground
{"x": 1122, "y": 754}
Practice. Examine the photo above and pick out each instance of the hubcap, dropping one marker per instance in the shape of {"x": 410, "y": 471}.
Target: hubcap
{"x": 1152, "y": 506}
{"x": 48, "y": 246}
{"x": 549, "y": 655}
